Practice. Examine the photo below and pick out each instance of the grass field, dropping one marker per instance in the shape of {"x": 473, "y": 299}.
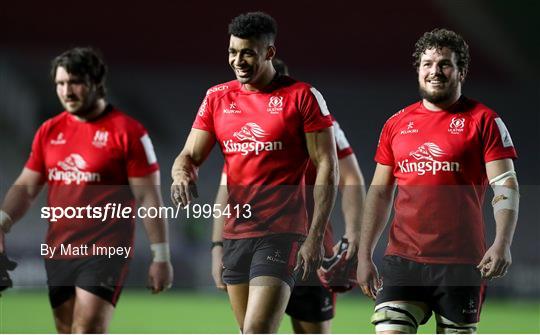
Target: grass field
{"x": 182, "y": 312}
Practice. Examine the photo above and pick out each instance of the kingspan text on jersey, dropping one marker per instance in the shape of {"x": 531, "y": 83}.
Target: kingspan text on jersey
{"x": 430, "y": 166}
{"x": 254, "y": 146}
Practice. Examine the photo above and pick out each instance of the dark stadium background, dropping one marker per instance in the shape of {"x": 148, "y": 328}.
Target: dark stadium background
{"x": 163, "y": 55}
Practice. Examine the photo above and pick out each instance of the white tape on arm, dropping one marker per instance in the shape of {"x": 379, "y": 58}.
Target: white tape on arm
{"x": 504, "y": 197}
{"x": 160, "y": 252}
{"x": 5, "y": 221}
{"x": 502, "y": 178}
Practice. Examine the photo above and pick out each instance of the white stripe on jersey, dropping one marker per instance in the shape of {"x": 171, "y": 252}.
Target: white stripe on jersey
{"x": 148, "y": 149}
{"x": 320, "y": 101}
{"x": 505, "y": 135}
{"x": 341, "y": 139}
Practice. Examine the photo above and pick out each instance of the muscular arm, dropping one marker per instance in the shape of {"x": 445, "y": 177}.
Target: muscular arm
{"x": 322, "y": 151}
{"x": 376, "y": 213}
{"x": 147, "y": 194}
{"x": 497, "y": 259}
{"x": 377, "y": 210}
{"x": 353, "y": 193}
{"x": 217, "y": 234}
{"x": 18, "y": 200}
{"x": 186, "y": 166}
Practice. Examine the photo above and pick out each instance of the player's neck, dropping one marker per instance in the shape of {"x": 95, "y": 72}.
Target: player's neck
{"x": 443, "y": 105}
{"x": 266, "y": 78}
{"x": 95, "y": 112}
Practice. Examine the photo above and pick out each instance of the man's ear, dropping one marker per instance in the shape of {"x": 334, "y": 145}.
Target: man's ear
{"x": 462, "y": 75}
{"x": 271, "y": 52}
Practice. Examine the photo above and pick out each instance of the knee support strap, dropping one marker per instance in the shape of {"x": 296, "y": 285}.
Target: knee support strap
{"x": 446, "y": 326}
{"x": 402, "y": 317}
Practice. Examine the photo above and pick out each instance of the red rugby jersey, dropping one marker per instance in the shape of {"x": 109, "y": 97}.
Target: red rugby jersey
{"x": 262, "y": 138}
{"x": 84, "y": 163}
{"x": 439, "y": 163}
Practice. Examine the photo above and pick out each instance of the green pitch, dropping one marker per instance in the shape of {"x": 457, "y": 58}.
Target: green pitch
{"x": 188, "y": 312}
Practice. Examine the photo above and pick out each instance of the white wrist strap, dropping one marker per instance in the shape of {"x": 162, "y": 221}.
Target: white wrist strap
{"x": 160, "y": 252}
{"x": 5, "y": 221}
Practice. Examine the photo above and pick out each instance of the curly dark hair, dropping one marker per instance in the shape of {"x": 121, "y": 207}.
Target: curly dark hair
{"x": 86, "y": 63}
{"x": 440, "y": 38}
{"x": 254, "y": 25}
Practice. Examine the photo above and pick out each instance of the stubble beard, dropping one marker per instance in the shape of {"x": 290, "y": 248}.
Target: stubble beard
{"x": 440, "y": 96}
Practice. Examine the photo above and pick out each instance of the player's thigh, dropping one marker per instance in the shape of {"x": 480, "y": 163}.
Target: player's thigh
{"x": 63, "y": 313}
{"x": 457, "y": 297}
{"x": 238, "y": 297}
{"x": 267, "y": 300}
{"x": 61, "y": 275}
{"x": 457, "y": 309}
{"x": 103, "y": 277}
{"x": 91, "y": 312}
{"x": 237, "y": 255}
{"x": 99, "y": 284}
{"x": 275, "y": 256}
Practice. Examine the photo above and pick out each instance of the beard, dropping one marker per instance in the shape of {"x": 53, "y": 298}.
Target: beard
{"x": 86, "y": 106}
{"x": 439, "y": 96}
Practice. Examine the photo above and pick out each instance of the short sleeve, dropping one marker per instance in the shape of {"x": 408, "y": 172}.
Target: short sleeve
{"x": 36, "y": 160}
{"x": 496, "y": 139}
{"x": 204, "y": 119}
{"x": 384, "y": 154}
{"x": 141, "y": 158}
{"x": 314, "y": 111}
{"x": 342, "y": 144}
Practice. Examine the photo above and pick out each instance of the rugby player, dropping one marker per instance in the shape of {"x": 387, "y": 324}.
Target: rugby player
{"x": 311, "y": 306}
{"x": 88, "y": 155}
{"x": 268, "y": 128}
{"x": 441, "y": 152}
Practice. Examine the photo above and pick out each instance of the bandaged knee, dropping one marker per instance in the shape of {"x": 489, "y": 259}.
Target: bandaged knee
{"x": 402, "y": 317}
{"x": 446, "y": 326}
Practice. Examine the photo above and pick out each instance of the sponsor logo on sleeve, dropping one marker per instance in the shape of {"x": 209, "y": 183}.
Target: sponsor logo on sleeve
{"x": 505, "y": 135}
{"x": 72, "y": 170}
{"x": 428, "y": 159}
{"x": 148, "y": 149}
{"x": 251, "y": 138}
{"x": 204, "y": 104}
{"x": 396, "y": 114}
{"x": 217, "y": 89}
{"x": 202, "y": 109}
